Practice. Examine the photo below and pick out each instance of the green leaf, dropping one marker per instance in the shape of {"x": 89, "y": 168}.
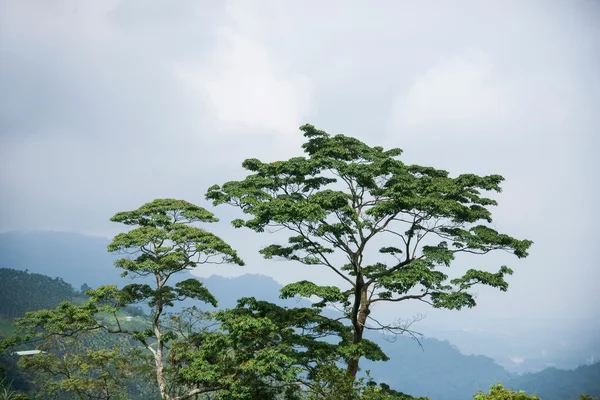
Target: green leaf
{"x": 345, "y": 199}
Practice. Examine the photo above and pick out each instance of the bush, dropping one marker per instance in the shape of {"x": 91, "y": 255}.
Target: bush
{"x": 498, "y": 392}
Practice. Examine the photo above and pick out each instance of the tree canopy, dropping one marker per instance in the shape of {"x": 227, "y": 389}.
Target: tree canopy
{"x": 343, "y": 198}
{"x": 387, "y": 230}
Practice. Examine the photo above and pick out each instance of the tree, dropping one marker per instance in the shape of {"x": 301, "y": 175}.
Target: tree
{"x": 498, "y": 392}
{"x": 79, "y": 357}
{"x": 166, "y": 243}
{"x": 259, "y": 351}
{"x": 84, "y": 288}
{"x": 347, "y": 198}
{"x": 265, "y": 351}
{"x": 72, "y": 368}
{"x": 162, "y": 243}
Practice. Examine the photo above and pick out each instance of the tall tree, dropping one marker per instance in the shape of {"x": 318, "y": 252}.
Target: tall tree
{"x": 347, "y": 198}
{"x": 165, "y": 242}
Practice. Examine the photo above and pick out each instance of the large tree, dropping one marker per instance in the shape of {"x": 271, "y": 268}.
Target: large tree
{"x": 347, "y": 198}
{"x": 256, "y": 350}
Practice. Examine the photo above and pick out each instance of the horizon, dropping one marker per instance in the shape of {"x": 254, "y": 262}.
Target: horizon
{"x": 105, "y": 106}
{"x": 517, "y": 351}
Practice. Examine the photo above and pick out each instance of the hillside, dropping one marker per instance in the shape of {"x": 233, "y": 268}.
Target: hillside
{"x": 556, "y": 384}
{"x": 437, "y": 369}
{"x": 21, "y": 291}
{"x": 77, "y": 258}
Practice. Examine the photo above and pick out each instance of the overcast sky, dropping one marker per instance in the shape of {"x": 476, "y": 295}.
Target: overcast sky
{"x": 107, "y": 104}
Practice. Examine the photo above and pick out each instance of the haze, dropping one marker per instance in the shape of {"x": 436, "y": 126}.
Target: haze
{"x": 106, "y": 105}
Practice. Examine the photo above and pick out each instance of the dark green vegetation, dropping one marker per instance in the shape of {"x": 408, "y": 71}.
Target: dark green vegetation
{"x": 21, "y": 291}
{"x": 343, "y": 199}
{"x": 438, "y": 370}
{"x": 78, "y": 362}
{"x": 334, "y": 202}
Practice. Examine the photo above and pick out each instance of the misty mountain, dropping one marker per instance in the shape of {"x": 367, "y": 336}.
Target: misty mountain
{"x": 435, "y": 368}
{"x": 558, "y": 384}
{"x": 76, "y": 258}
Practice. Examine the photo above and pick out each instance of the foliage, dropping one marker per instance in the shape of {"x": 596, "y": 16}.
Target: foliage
{"x": 12, "y": 377}
{"x": 344, "y": 199}
{"x": 335, "y": 383}
{"x": 328, "y": 380}
{"x": 260, "y": 350}
{"x": 42, "y": 292}
{"x": 498, "y": 392}
{"x": 384, "y": 392}
{"x": 8, "y": 393}
{"x": 245, "y": 359}
{"x": 70, "y": 369}
{"x": 79, "y": 358}
{"x": 165, "y": 242}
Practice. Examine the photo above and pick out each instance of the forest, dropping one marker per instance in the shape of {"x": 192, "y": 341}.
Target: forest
{"x": 388, "y": 230}
{"x": 23, "y": 292}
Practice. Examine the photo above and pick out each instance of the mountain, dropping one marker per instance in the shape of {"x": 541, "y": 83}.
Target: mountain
{"x": 77, "y": 258}
{"x": 438, "y": 369}
{"x": 564, "y": 345}
{"x": 556, "y": 384}
{"x": 42, "y": 292}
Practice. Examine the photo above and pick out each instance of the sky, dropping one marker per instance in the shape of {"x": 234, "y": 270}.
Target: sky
{"x": 105, "y": 105}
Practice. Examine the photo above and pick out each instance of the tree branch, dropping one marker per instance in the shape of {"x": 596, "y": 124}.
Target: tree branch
{"x": 406, "y": 297}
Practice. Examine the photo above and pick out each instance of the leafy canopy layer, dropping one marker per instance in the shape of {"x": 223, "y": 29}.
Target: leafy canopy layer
{"x": 346, "y": 198}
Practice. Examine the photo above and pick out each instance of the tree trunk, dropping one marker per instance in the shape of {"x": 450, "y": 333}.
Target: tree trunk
{"x": 160, "y": 377}
{"x": 158, "y": 355}
{"x": 359, "y": 318}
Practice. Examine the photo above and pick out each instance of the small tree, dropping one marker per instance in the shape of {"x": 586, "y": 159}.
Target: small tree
{"x": 165, "y": 243}
{"x": 84, "y": 288}
{"x": 162, "y": 243}
{"x": 342, "y": 197}
{"x": 498, "y": 392}
{"x": 72, "y": 369}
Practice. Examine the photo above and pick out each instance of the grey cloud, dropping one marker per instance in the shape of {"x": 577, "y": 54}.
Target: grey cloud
{"x": 104, "y": 107}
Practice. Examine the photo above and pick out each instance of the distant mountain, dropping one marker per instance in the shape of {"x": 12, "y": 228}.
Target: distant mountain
{"x": 21, "y": 292}
{"x": 557, "y": 384}
{"x": 76, "y": 258}
{"x": 438, "y": 369}
{"x": 80, "y": 259}
{"x": 262, "y": 287}
{"x": 562, "y": 345}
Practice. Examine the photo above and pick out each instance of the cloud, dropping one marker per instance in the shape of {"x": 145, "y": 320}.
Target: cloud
{"x": 460, "y": 88}
{"x": 107, "y": 105}
{"x": 244, "y": 82}
{"x": 517, "y": 360}
{"x": 57, "y": 20}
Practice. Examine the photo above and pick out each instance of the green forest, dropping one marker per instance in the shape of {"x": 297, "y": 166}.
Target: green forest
{"x": 343, "y": 205}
